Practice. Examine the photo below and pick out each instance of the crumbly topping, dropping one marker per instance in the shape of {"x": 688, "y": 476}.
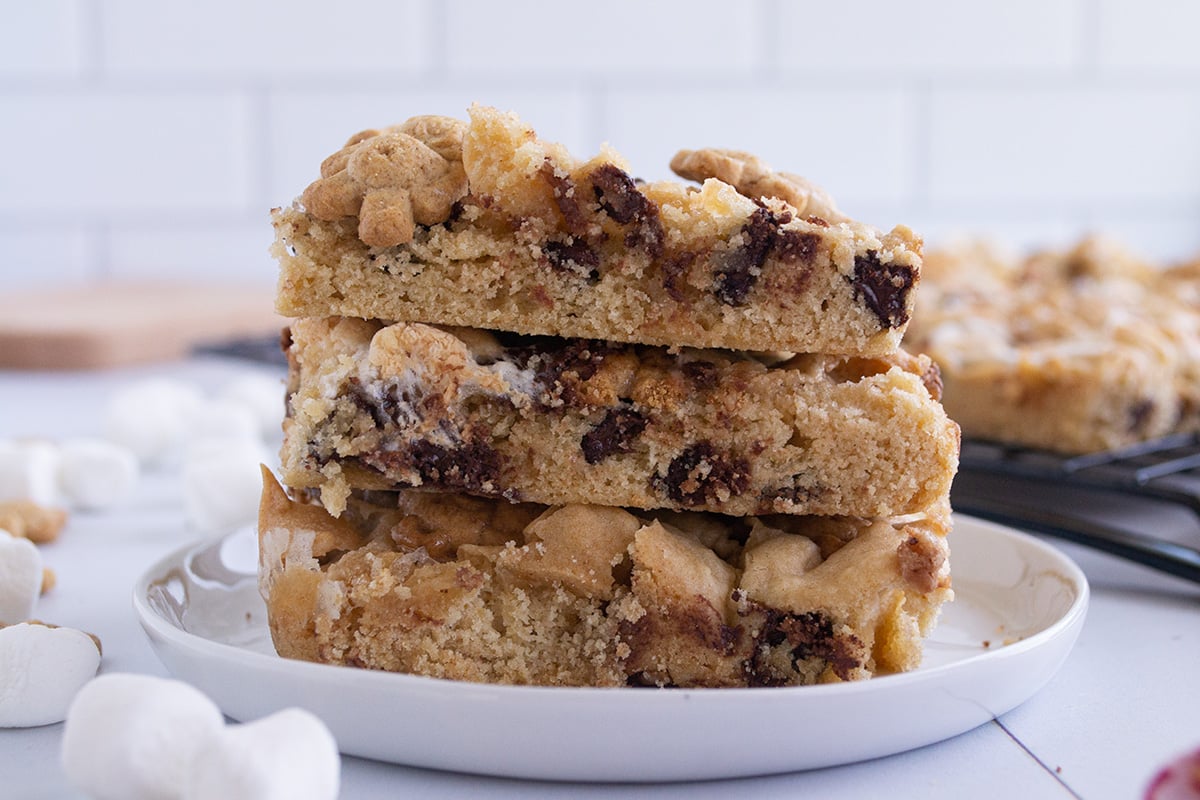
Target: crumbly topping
{"x": 405, "y": 175}
{"x": 753, "y": 178}
{"x": 1074, "y": 350}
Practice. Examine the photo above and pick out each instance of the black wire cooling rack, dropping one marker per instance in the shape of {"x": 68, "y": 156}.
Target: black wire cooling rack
{"x": 1166, "y": 471}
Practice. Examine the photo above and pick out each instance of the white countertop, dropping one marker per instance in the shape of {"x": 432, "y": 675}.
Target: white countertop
{"x": 1126, "y": 701}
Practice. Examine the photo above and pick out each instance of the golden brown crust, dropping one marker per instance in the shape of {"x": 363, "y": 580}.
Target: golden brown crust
{"x": 754, "y": 178}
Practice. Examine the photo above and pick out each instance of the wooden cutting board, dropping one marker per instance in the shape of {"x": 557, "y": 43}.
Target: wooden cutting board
{"x": 112, "y": 324}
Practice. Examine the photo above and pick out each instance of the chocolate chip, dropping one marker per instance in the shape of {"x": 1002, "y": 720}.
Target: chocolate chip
{"x": 613, "y": 434}
{"x": 700, "y": 475}
{"x": 741, "y": 266}
{"x": 566, "y": 197}
{"x": 674, "y": 270}
{"x": 883, "y": 287}
{"x": 575, "y": 257}
{"x": 648, "y": 236}
{"x": 618, "y": 194}
{"x": 559, "y": 365}
{"x": 701, "y": 374}
{"x": 1140, "y": 414}
{"x": 805, "y": 636}
{"x": 793, "y": 246}
{"x": 791, "y": 498}
{"x": 470, "y": 466}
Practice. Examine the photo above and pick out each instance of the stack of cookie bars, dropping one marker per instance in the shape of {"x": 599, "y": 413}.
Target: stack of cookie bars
{"x": 548, "y": 424}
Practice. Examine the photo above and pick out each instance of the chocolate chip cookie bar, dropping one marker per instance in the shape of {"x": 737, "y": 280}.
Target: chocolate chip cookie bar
{"x": 555, "y": 421}
{"x": 471, "y": 589}
{"x": 1073, "y": 351}
{"x": 484, "y": 225}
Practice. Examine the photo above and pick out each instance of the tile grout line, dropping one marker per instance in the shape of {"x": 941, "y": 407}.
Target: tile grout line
{"x": 91, "y": 43}
{"x": 1053, "y": 773}
{"x": 260, "y": 146}
{"x": 434, "y": 77}
{"x": 920, "y": 157}
{"x": 438, "y": 56}
{"x": 768, "y": 20}
{"x": 1088, "y": 31}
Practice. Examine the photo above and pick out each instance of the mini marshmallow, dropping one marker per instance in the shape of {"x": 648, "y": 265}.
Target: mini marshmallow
{"x": 150, "y": 417}
{"x": 221, "y": 419}
{"x": 136, "y": 737}
{"x": 289, "y": 755}
{"x": 96, "y": 474}
{"x": 263, "y": 396}
{"x": 42, "y": 668}
{"x": 222, "y": 483}
{"x": 29, "y": 471}
{"x": 20, "y": 578}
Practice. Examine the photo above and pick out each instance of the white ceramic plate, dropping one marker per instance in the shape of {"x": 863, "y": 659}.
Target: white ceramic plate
{"x": 1019, "y": 608}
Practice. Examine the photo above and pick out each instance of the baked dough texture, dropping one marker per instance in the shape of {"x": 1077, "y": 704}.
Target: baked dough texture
{"x": 553, "y": 420}
{"x": 1072, "y": 351}
{"x": 484, "y": 225}
{"x": 451, "y": 586}
{"x": 549, "y": 424}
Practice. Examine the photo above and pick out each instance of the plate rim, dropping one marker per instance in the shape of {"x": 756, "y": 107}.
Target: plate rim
{"x": 413, "y": 688}
{"x": 151, "y": 618}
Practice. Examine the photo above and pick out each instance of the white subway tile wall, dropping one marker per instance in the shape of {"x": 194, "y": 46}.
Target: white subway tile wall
{"x": 148, "y": 140}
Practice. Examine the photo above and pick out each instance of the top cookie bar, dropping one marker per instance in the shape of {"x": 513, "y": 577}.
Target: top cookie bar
{"x": 482, "y": 224}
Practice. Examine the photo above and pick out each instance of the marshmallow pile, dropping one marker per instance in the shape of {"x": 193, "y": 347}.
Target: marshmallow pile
{"x": 41, "y": 666}
{"x": 21, "y": 575}
{"x": 219, "y": 440}
{"x": 86, "y": 474}
{"x": 137, "y": 737}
